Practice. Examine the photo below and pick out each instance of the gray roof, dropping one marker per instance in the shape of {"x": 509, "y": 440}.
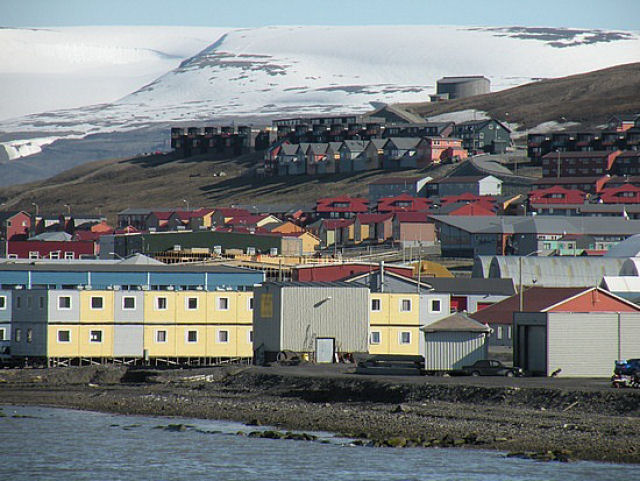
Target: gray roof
{"x": 313, "y": 284}
{"x": 52, "y": 236}
{"x": 473, "y": 286}
{"x": 456, "y": 80}
{"x": 540, "y": 224}
{"x": 318, "y": 148}
{"x": 289, "y": 149}
{"x": 355, "y": 145}
{"x": 378, "y": 143}
{"x": 141, "y": 260}
{"x": 458, "y": 322}
{"x": 136, "y": 211}
{"x": 405, "y": 142}
{"x": 629, "y": 247}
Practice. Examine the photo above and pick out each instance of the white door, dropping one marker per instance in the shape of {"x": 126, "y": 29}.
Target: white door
{"x": 325, "y": 349}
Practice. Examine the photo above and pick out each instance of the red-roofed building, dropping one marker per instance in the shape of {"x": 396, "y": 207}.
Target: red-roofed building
{"x": 403, "y": 203}
{"x": 596, "y": 162}
{"x": 572, "y": 331}
{"x": 340, "y": 272}
{"x": 467, "y": 197}
{"x": 472, "y": 209}
{"x": 413, "y": 229}
{"x": 373, "y": 227}
{"x": 260, "y": 220}
{"x": 222, "y": 215}
{"x": 625, "y": 194}
{"x": 556, "y": 195}
{"x": 589, "y": 184}
{"x": 343, "y": 207}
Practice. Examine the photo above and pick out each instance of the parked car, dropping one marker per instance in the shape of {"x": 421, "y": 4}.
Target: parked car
{"x": 489, "y": 367}
{"x": 627, "y": 368}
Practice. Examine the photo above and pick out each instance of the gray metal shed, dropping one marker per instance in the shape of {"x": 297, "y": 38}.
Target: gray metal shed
{"x": 453, "y": 342}
{"x": 303, "y": 317}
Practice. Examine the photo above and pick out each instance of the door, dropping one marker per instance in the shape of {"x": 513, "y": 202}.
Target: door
{"x": 324, "y": 349}
{"x": 536, "y": 350}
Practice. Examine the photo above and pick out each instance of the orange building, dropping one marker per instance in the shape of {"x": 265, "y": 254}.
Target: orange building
{"x": 433, "y": 150}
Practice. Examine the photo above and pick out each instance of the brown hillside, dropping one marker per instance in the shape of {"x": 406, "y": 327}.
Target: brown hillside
{"x": 163, "y": 181}
{"x": 588, "y": 98}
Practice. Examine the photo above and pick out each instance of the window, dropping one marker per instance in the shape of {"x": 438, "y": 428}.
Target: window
{"x": 34, "y": 255}
{"x": 54, "y": 255}
{"x": 161, "y": 336}
{"x": 223, "y": 304}
{"x": 3, "y": 302}
{"x": 192, "y": 303}
{"x": 64, "y": 302}
{"x": 250, "y": 304}
{"x": 405, "y": 337}
{"x": 18, "y": 335}
{"x": 96, "y": 302}
{"x": 436, "y": 305}
{"x": 29, "y": 335}
{"x": 161, "y": 303}
{"x": 508, "y": 332}
{"x": 223, "y": 336}
{"x": 69, "y": 255}
{"x": 250, "y": 337}
{"x": 375, "y": 305}
{"x": 374, "y": 337}
{"x": 499, "y": 332}
{"x": 3, "y": 334}
{"x": 64, "y": 336}
{"x": 128, "y": 303}
{"x": 405, "y": 305}
{"x": 192, "y": 336}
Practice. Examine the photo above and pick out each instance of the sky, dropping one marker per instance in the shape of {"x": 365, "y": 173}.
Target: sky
{"x": 605, "y": 14}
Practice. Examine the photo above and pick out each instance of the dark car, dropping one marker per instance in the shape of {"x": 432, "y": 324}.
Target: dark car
{"x": 490, "y": 367}
{"x": 627, "y": 368}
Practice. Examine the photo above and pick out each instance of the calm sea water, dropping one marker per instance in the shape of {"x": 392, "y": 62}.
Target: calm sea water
{"x": 62, "y": 444}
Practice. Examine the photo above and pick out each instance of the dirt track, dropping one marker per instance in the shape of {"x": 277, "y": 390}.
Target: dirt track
{"x": 585, "y": 417}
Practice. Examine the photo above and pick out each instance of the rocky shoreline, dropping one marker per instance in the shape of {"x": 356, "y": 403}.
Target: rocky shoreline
{"x": 545, "y": 423}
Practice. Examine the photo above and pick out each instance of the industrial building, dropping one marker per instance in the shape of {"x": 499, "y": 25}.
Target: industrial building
{"x": 450, "y": 88}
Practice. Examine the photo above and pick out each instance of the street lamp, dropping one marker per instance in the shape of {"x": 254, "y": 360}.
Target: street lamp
{"x": 36, "y": 206}
{"x": 520, "y": 294}
{"x": 186, "y": 202}
{"x": 68, "y": 209}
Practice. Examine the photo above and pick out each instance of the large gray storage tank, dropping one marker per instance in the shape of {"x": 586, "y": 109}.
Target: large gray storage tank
{"x": 461, "y": 87}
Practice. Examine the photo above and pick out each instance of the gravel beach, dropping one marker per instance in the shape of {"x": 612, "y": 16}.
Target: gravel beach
{"x": 586, "y": 419}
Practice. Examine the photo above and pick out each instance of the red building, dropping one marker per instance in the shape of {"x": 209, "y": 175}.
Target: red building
{"x": 590, "y": 184}
{"x": 403, "y": 203}
{"x": 339, "y": 272}
{"x": 597, "y": 162}
{"x": 556, "y": 195}
{"x": 36, "y": 249}
{"x": 344, "y": 207}
{"x": 625, "y": 194}
{"x": 468, "y": 209}
{"x": 14, "y": 225}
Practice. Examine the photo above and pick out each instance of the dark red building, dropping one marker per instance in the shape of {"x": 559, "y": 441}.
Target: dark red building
{"x": 38, "y": 249}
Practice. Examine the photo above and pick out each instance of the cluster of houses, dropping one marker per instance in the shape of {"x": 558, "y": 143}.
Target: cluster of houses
{"x": 226, "y": 140}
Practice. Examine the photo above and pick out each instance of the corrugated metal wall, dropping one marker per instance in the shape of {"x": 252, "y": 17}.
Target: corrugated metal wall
{"x": 338, "y": 312}
{"x": 445, "y": 351}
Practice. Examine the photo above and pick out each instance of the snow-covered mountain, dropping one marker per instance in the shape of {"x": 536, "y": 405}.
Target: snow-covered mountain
{"x": 281, "y": 71}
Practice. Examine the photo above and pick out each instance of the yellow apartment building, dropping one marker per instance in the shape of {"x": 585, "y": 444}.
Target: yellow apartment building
{"x": 394, "y": 323}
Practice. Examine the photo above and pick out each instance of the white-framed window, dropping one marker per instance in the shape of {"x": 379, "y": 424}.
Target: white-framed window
{"x": 250, "y": 336}
{"x": 95, "y": 336}
{"x": 375, "y": 305}
{"x": 161, "y": 303}
{"x": 404, "y": 337}
{"x": 34, "y": 255}
{"x": 54, "y": 255}
{"x": 436, "y": 305}
{"x": 374, "y": 337}
{"x": 191, "y": 303}
{"x": 18, "y": 335}
{"x": 161, "y": 336}
{"x": 97, "y": 302}
{"x": 29, "y": 335}
{"x": 69, "y": 255}
{"x": 508, "y": 332}
{"x": 128, "y": 303}
{"x": 192, "y": 336}
{"x": 3, "y": 334}
{"x": 64, "y": 335}
{"x": 250, "y": 304}
{"x": 223, "y": 336}
{"x": 405, "y": 305}
{"x": 499, "y": 332}
{"x": 3, "y": 303}
{"x": 64, "y": 303}
{"x": 223, "y": 303}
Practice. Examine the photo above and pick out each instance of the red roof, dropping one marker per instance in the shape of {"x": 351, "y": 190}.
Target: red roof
{"x": 371, "y": 218}
{"x": 390, "y": 204}
{"x": 612, "y": 195}
{"x": 353, "y": 204}
{"x": 556, "y": 195}
{"x": 467, "y": 197}
{"x": 472, "y": 209}
{"x": 248, "y": 220}
{"x": 127, "y": 230}
{"x": 331, "y": 224}
{"x": 86, "y": 235}
{"x": 231, "y": 211}
{"x": 412, "y": 217}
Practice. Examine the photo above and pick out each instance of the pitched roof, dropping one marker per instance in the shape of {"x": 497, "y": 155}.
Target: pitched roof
{"x": 398, "y": 180}
{"x": 463, "y": 179}
{"x": 458, "y": 322}
{"x": 473, "y": 285}
{"x": 404, "y": 142}
{"x": 331, "y": 224}
{"x": 412, "y": 217}
{"x": 370, "y": 218}
{"x": 580, "y": 154}
{"x": 535, "y": 299}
